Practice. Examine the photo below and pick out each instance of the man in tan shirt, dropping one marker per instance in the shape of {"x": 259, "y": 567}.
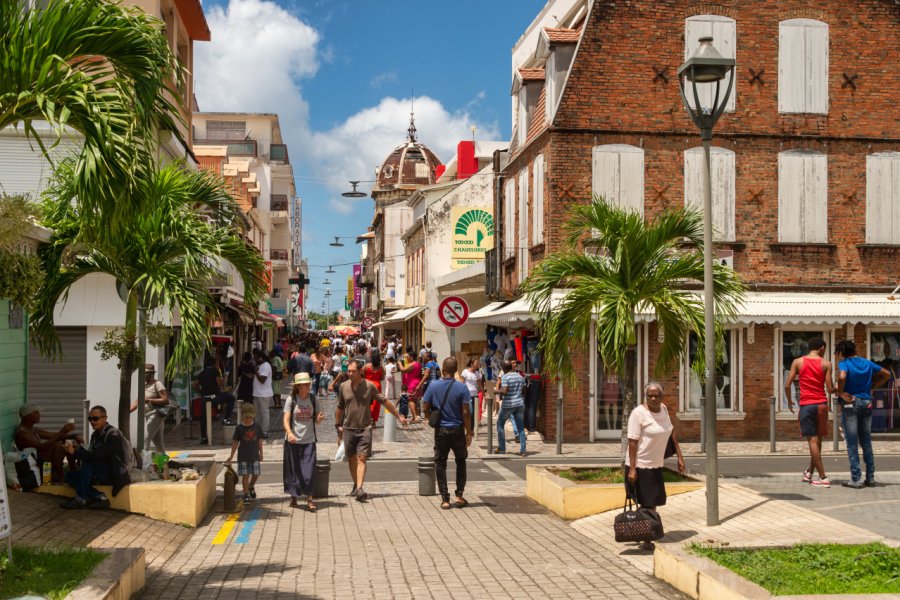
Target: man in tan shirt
{"x": 353, "y": 419}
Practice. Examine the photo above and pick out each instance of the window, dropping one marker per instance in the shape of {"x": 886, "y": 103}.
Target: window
{"x": 522, "y": 250}
{"x": 803, "y": 66}
{"x": 523, "y": 116}
{"x": 722, "y": 31}
{"x": 555, "y": 72}
{"x": 509, "y": 223}
{"x": 537, "y": 212}
{"x": 795, "y": 344}
{"x": 226, "y": 130}
{"x": 722, "y": 186}
{"x": 802, "y": 197}
{"x": 726, "y": 376}
{"x": 883, "y": 198}
{"x": 618, "y": 176}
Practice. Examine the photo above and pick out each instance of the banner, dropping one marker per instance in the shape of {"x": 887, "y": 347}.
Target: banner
{"x": 357, "y": 291}
{"x": 473, "y": 234}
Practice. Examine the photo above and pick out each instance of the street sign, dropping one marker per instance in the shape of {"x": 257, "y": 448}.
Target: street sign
{"x": 368, "y": 322}
{"x": 453, "y": 311}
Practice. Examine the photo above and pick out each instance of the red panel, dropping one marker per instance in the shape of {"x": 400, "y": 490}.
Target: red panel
{"x": 466, "y": 165}
{"x": 439, "y": 170}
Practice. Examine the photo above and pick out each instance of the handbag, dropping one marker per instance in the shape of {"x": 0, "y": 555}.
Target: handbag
{"x": 670, "y": 448}
{"x": 637, "y": 524}
{"x": 434, "y": 417}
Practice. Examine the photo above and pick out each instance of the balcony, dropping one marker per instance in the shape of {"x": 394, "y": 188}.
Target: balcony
{"x": 279, "y": 153}
{"x": 279, "y": 202}
{"x": 367, "y": 275}
{"x": 278, "y": 254}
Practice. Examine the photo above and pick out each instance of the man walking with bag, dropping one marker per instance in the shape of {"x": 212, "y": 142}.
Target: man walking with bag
{"x": 452, "y": 429}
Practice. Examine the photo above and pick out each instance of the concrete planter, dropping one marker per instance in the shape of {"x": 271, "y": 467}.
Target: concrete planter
{"x": 180, "y": 502}
{"x": 573, "y": 500}
{"x": 119, "y": 577}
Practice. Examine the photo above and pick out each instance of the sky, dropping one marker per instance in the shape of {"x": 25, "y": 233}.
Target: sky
{"x": 342, "y": 75}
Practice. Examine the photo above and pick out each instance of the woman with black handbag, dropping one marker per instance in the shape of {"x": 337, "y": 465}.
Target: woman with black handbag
{"x": 650, "y": 430}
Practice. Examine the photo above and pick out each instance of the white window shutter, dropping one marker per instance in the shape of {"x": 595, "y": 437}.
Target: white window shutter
{"x": 722, "y": 180}
{"x": 523, "y": 245}
{"x": 724, "y": 34}
{"x": 550, "y": 85}
{"x": 618, "y": 176}
{"x": 802, "y": 197}
{"x": 790, "y": 195}
{"x": 883, "y": 198}
{"x": 537, "y": 224}
{"x": 509, "y": 203}
{"x": 815, "y": 198}
{"x": 816, "y": 34}
{"x": 522, "y": 126}
{"x": 803, "y": 66}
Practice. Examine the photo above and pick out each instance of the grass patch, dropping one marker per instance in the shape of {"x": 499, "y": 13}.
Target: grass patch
{"x": 814, "y": 568}
{"x": 607, "y": 475}
{"x": 49, "y": 573}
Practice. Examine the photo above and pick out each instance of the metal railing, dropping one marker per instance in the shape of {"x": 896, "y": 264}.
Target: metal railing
{"x": 244, "y": 148}
{"x": 279, "y": 202}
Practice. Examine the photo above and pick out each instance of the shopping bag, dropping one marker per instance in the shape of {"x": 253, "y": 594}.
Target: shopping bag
{"x": 339, "y": 455}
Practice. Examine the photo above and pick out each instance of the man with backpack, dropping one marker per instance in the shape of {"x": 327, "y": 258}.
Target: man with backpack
{"x": 105, "y": 461}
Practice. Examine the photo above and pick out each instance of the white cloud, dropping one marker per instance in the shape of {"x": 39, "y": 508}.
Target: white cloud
{"x": 382, "y": 78}
{"x": 345, "y": 207}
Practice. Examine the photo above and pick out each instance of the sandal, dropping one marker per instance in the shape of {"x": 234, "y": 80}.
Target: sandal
{"x": 310, "y": 505}
{"x": 461, "y": 502}
{"x": 446, "y": 505}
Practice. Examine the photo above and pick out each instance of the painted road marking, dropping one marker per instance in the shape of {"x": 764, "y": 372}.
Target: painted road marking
{"x": 244, "y": 536}
{"x": 226, "y": 529}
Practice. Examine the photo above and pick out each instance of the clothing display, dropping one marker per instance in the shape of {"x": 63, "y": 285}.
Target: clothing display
{"x": 886, "y": 399}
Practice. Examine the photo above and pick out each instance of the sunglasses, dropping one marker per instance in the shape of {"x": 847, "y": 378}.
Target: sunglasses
{"x": 95, "y": 419}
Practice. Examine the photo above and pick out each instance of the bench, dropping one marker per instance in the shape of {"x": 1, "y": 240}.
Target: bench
{"x": 180, "y": 502}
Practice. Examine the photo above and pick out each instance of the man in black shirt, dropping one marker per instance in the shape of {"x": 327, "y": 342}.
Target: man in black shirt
{"x": 209, "y": 383}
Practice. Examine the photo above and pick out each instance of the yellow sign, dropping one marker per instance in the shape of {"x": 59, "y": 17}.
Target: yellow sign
{"x": 473, "y": 234}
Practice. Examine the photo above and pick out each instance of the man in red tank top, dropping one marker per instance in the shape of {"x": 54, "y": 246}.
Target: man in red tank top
{"x": 814, "y": 375}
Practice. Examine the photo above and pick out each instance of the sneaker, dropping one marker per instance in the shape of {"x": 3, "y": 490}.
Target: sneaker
{"x": 253, "y": 493}
{"x": 352, "y": 492}
{"x": 247, "y": 499}
{"x": 856, "y": 485}
{"x": 72, "y": 503}
{"x": 821, "y": 482}
{"x": 228, "y": 422}
{"x": 99, "y": 502}
{"x": 361, "y": 495}
{"x": 807, "y": 476}
{"x": 869, "y": 483}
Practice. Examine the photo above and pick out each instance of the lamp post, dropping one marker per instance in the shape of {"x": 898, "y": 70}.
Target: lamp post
{"x": 707, "y": 66}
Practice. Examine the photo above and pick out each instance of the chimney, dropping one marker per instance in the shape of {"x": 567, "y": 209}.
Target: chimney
{"x": 466, "y": 165}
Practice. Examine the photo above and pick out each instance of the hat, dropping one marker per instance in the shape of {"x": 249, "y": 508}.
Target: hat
{"x": 302, "y": 378}
{"x": 27, "y": 409}
{"x": 150, "y": 368}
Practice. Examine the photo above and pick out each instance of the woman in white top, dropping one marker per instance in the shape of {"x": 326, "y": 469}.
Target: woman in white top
{"x": 471, "y": 375}
{"x": 649, "y": 431}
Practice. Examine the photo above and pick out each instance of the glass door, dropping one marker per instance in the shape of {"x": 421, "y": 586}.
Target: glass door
{"x": 609, "y": 397}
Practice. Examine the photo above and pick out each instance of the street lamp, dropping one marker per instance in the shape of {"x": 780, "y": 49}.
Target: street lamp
{"x": 354, "y": 193}
{"x": 707, "y": 66}
{"x": 337, "y": 242}
{"x": 330, "y": 270}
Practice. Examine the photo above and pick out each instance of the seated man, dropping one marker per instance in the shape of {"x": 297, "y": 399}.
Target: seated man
{"x": 49, "y": 445}
{"x": 210, "y": 383}
{"x": 102, "y": 462}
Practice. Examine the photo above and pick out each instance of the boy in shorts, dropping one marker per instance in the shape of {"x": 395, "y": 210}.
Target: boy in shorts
{"x": 248, "y": 443}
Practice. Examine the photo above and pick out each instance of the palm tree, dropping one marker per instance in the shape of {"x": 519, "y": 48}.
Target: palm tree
{"x": 163, "y": 252}
{"x": 96, "y": 67}
{"x": 627, "y": 266}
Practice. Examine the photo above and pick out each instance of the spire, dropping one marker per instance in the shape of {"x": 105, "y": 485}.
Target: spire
{"x": 412, "y": 119}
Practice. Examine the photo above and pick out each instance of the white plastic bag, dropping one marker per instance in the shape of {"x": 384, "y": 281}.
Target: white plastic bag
{"x": 10, "y": 460}
{"x": 339, "y": 455}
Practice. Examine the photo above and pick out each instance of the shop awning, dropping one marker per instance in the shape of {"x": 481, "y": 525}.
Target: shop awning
{"x": 791, "y": 308}
{"x": 403, "y": 315}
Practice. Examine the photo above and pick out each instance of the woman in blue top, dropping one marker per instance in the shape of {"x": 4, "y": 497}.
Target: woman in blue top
{"x": 856, "y": 378}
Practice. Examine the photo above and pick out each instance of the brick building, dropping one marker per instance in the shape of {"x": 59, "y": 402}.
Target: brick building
{"x": 805, "y": 176}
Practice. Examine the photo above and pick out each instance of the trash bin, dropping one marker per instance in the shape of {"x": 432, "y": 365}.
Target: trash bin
{"x": 427, "y": 476}
{"x": 323, "y": 470}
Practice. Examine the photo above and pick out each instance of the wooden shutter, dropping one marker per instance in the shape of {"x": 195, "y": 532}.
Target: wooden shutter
{"x": 723, "y": 32}
{"x": 803, "y": 66}
{"x": 802, "y": 197}
{"x": 537, "y": 223}
{"x": 883, "y": 198}
{"x": 550, "y": 83}
{"x": 523, "y": 245}
{"x": 509, "y": 230}
{"x": 618, "y": 176}
{"x": 722, "y": 180}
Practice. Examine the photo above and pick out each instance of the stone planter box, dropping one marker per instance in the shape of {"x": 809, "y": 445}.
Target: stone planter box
{"x": 119, "y": 577}
{"x": 573, "y": 500}
{"x": 180, "y": 502}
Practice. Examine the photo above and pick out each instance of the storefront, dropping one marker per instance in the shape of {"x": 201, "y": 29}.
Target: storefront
{"x": 884, "y": 343}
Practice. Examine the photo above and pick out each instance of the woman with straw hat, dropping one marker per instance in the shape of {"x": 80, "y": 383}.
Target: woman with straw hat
{"x": 300, "y": 417}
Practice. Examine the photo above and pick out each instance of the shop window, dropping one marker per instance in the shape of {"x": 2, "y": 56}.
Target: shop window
{"x": 721, "y": 162}
{"x": 883, "y": 198}
{"x": 802, "y": 197}
{"x": 618, "y": 176}
{"x": 803, "y": 66}
{"x": 522, "y": 250}
{"x": 726, "y": 376}
{"x": 795, "y": 344}
{"x": 537, "y": 213}
{"x": 722, "y": 30}
{"x": 885, "y": 350}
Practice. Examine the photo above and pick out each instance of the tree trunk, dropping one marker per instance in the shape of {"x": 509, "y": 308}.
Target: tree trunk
{"x": 127, "y": 365}
{"x": 628, "y": 404}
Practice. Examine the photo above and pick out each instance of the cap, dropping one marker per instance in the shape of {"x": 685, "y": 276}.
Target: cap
{"x": 27, "y": 409}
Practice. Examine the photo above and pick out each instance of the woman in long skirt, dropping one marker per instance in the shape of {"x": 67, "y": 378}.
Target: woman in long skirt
{"x": 300, "y": 417}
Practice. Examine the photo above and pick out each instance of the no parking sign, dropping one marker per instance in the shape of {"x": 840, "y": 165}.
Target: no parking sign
{"x": 453, "y": 311}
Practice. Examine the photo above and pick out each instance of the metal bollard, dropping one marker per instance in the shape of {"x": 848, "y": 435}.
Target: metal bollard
{"x": 490, "y": 424}
{"x": 772, "y": 424}
{"x": 323, "y": 473}
{"x": 390, "y": 428}
{"x": 835, "y": 423}
{"x": 427, "y": 476}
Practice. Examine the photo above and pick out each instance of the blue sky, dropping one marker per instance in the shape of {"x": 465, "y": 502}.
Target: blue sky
{"x": 341, "y": 73}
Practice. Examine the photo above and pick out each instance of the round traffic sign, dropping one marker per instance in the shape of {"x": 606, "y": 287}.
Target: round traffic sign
{"x": 453, "y": 311}
{"x": 368, "y": 322}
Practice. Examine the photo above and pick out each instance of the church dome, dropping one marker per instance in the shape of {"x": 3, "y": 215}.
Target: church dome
{"x": 410, "y": 165}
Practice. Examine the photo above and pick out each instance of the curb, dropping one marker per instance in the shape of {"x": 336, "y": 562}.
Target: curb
{"x": 119, "y": 577}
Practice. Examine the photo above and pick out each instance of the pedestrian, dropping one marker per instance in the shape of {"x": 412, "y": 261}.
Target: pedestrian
{"x": 390, "y": 367}
{"x": 157, "y": 406}
{"x": 814, "y": 375}
{"x": 511, "y": 387}
{"x": 353, "y": 421}
{"x": 374, "y": 372}
{"x": 649, "y": 432}
{"x": 454, "y": 431}
{"x": 327, "y": 367}
{"x": 856, "y": 378}
{"x": 248, "y": 443}
{"x": 301, "y": 414}
{"x": 472, "y": 377}
{"x": 277, "y": 375}
{"x": 432, "y": 370}
{"x": 246, "y": 375}
{"x": 262, "y": 390}
{"x": 411, "y": 370}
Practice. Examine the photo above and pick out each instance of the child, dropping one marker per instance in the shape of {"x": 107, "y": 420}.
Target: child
{"x": 248, "y": 442}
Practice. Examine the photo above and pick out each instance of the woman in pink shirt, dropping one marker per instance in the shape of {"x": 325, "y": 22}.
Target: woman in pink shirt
{"x": 411, "y": 370}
